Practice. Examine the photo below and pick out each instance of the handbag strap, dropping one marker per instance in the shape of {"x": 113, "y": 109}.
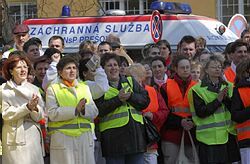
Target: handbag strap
{"x": 182, "y": 146}
{"x": 196, "y": 158}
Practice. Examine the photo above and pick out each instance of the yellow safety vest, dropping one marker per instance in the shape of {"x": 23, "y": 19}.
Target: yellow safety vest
{"x": 120, "y": 116}
{"x": 213, "y": 129}
{"x": 65, "y": 98}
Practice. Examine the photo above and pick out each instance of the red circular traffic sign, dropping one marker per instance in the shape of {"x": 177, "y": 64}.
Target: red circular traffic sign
{"x": 156, "y": 26}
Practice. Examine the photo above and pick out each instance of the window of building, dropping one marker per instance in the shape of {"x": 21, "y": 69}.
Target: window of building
{"x": 22, "y": 11}
{"x": 227, "y": 8}
{"x": 247, "y": 9}
{"x": 131, "y": 7}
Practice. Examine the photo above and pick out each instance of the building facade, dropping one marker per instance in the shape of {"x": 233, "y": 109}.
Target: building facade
{"x": 222, "y": 10}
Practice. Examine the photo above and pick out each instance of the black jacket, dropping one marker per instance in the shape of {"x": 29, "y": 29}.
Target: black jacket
{"x": 130, "y": 138}
{"x": 239, "y": 112}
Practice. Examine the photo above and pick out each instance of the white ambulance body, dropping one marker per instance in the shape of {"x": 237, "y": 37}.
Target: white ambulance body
{"x": 134, "y": 30}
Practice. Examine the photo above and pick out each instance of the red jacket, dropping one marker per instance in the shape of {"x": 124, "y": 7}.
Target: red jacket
{"x": 159, "y": 115}
{"x": 172, "y": 129}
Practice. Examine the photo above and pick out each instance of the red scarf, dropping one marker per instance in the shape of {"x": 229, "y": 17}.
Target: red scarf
{"x": 183, "y": 84}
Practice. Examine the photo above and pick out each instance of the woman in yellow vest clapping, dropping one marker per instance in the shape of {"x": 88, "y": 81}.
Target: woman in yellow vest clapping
{"x": 121, "y": 122}
{"x": 210, "y": 104}
{"x": 70, "y": 110}
{"x": 241, "y": 109}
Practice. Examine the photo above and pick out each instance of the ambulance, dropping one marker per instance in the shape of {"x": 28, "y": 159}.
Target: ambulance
{"x": 170, "y": 21}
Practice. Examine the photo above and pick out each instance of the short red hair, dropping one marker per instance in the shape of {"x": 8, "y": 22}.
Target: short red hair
{"x": 12, "y": 61}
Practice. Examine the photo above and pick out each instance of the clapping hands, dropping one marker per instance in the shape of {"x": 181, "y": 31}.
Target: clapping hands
{"x": 80, "y": 108}
{"x": 32, "y": 104}
{"x": 222, "y": 94}
{"x": 123, "y": 95}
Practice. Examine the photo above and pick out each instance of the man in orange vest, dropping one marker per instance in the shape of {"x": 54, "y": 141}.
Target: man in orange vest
{"x": 239, "y": 53}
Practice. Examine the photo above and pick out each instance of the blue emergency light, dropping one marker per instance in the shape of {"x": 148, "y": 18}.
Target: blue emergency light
{"x": 171, "y": 7}
{"x": 185, "y": 7}
{"x": 157, "y": 5}
{"x": 66, "y": 11}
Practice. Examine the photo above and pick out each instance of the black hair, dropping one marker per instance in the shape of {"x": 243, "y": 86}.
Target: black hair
{"x": 37, "y": 40}
{"x": 64, "y": 61}
{"x": 28, "y": 44}
{"x": 178, "y": 58}
{"x": 236, "y": 44}
{"x": 247, "y": 30}
{"x": 166, "y": 43}
{"x": 160, "y": 58}
{"x": 37, "y": 62}
{"x": 51, "y": 51}
{"x": 83, "y": 68}
{"x": 104, "y": 43}
{"x": 107, "y": 56}
{"x": 228, "y": 49}
{"x": 123, "y": 59}
{"x": 187, "y": 39}
{"x": 55, "y": 37}
{"x": 241, "y": 69}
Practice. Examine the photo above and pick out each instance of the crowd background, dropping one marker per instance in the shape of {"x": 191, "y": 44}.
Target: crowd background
{"x": 88, "y": 107}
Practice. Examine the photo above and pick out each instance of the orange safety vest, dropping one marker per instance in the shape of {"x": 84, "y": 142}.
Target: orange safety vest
{"x": 153, "y": 105}
{"x": 243, "y": 129}
{"x": 176, "y": 102}
{"x": 229, "y": 74}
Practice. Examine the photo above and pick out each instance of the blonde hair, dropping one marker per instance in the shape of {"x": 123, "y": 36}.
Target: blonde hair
{"x": 137, "y": 70}
{"x": 195, "y": 65}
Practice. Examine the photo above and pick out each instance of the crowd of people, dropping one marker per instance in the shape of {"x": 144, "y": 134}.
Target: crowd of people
{"x": 89, "y": 107}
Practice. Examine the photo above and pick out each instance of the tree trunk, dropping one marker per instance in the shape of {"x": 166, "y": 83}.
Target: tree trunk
{"x": 7, "y": 23}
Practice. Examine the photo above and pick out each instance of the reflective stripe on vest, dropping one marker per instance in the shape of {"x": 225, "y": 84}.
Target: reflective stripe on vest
{"x": 243, "y": 129}
{"x": 114, "y": 116}
{"x": 153, "y": 105}
{"x": 214, "y": 129}
{"x": 120, "y": 116}
{"x": 176, "y": 102}
{"x": 229, "y": 74}
{"x": 176, "y": 109}
{"x": 71, "y": 126}
{"x": 218, "y": 111}
{"x": 214, "y": 125}
{"x": 66, "y": 98}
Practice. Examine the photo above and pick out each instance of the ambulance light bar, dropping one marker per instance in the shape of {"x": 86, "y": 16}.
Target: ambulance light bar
{"x": 171, "y": 7}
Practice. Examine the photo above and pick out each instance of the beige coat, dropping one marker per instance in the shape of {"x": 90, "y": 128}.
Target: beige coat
{"x": 21, "y": 135}
{"x": 67, "y": 149}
